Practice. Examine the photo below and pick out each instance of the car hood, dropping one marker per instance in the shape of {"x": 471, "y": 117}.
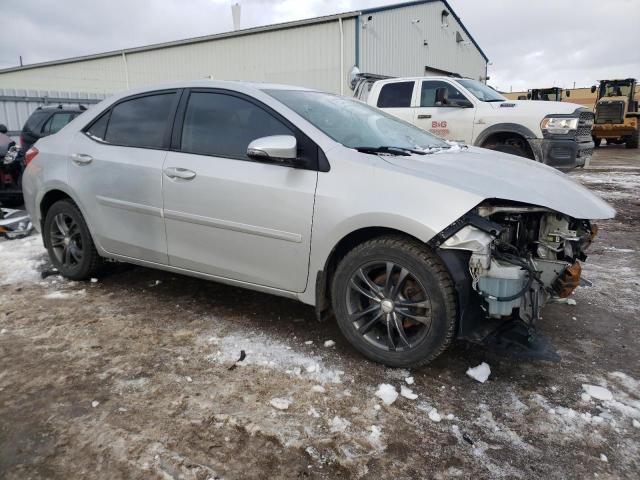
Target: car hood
{"x": 492, "y": 174}
{"x": 535, "y": 107}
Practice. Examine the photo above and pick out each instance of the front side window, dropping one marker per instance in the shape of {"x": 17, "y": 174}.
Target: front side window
{"x": 139, "y": 122}
{"x": 428, "y": 94}
{"x": 223, "y": 125}
{"x": 396, "y": 95}
{"x": 352, "y": 123}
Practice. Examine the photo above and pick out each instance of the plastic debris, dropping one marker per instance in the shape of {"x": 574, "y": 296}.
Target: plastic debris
{"x": 387, "y": 393}
{"x": 480, "y": 373}
{"x": 243, "y": 355}
{"x": 467, "y": 438}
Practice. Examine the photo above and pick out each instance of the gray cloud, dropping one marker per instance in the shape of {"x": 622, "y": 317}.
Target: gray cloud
{"x": 539, "y": 43}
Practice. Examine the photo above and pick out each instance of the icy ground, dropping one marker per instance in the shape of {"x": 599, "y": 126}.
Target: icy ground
{"x": 145, "y": 374}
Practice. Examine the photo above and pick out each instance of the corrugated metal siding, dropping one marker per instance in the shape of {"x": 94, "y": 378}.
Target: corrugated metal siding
{"x": 384, "y": 51}
{"x": 104, "y": 75}
{"x": 14, "y": 113}
{"x": 307, "y": 55}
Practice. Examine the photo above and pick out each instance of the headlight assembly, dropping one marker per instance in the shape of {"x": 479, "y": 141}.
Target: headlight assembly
{"x": 558, "y": 125}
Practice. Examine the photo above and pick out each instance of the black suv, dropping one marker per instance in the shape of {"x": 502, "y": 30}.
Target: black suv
{"x": 46, "y": 121}
{"x": 42, "y": 122}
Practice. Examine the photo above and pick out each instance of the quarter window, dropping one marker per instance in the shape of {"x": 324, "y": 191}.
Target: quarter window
{"x": 428, "y": 94}
{"x": 396, "y": 95}
{"x": 139, "y": 122}
{"x": 224, "y": 125}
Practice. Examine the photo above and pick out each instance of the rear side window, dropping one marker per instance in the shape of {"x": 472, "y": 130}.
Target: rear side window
{"x": 224, "y": 125}
{"x": 139, "y": 122}
{"x": 396, "y": 95}
{"x": 98, "y": 129}
{"x": 56, "y": 122}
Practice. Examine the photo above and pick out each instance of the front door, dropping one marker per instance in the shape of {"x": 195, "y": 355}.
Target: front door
{"x": 115, "y": 168}
{"x": 227, "y": 215}
{"x": 451, "y": 119}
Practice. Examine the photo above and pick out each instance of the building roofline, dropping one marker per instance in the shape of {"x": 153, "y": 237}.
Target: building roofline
{"x": 422, "y": 2}
{"x": 188, "y": 41}
{"x": 240, "y": 33}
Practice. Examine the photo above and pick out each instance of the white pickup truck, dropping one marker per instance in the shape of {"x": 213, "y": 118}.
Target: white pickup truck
{"x": 464, "y": 110}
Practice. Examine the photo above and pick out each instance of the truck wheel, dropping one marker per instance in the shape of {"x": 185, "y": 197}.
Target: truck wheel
{"x": 394, "y": 301}
{"x": 597, "y": 141}
{"x": 633, "y": 140}
{"x": 69, "y": 243}
{"x": 512, "y": 146}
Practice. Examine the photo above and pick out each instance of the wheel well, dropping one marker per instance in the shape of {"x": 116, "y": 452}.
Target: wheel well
{"x": 344, "y": 246}
{"x": 48, "y": 200}
{"x": 505, "y": 138}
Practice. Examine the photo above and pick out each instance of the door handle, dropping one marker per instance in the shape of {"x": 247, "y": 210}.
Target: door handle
{"x": 424, "y": 115}
{"x": 81, "y": 158}
{"x": 181, "y": 173}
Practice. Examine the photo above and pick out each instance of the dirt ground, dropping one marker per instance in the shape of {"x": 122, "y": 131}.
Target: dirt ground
{"x": 131, "y": 377}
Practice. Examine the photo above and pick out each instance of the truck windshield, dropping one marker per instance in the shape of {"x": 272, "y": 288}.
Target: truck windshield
{"x": 480, "y": 90}
{"x": 355, "y": 124}
{"x": 615, "y": 89}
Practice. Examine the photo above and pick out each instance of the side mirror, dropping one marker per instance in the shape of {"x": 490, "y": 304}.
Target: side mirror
{"x": 442, "y": 96}
{"x": 568, "y": 93}
{"x": 274, "y": 147}
{"x": 593, "y": 89}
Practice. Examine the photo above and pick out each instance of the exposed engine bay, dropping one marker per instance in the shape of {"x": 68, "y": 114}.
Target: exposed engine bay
{"x": 521, "y": 256}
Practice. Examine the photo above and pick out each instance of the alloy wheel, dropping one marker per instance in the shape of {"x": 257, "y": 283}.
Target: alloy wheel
{"x": 66, "y": 240}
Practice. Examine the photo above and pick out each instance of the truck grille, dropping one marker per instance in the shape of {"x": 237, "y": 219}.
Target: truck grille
{"x": 610, "y": 112}
{"x": 585, "y": 123}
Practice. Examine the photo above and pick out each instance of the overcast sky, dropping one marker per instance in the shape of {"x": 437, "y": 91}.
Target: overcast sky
{"x": 530, "y": 43}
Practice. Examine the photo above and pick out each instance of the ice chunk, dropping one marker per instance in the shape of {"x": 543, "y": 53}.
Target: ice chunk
{"x": 434, "y": 415}
{"x": 338, "y": 424}
{"x": 329, "y": 343}
{"x": 280, "y": 403}
{"x": 95, "y": 403}
{"x": 94, "y": 280}
{"x": 603, "y": 457}
{"x": 387, "y": 393}
{"x": 406, "y": 392}
{"x": 571, "y": 301}
{"x": 409, "y": 380}
{"x": 599, "y": 393}
{"x": 309, "y": 342}
{"x": 480, "y": 373}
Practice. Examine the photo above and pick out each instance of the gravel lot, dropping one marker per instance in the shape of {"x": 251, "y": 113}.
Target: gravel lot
{"x": 131, "y": 377}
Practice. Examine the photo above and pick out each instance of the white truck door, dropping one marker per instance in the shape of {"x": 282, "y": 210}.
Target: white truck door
{"x": 396, "y": 99}
{"x": 450, "y": 117}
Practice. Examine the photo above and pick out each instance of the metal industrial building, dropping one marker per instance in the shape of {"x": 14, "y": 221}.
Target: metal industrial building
{"x": 406, "y": 39}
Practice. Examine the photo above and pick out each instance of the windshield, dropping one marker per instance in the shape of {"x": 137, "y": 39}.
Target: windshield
{"x": 615, "y": 89}
{"x": 480, "y": 90}
{"x": 355, "y": 124}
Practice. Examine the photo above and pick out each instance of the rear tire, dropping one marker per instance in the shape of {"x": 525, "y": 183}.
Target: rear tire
{"x": 394, "y": 301}
{"x": 597, "y": 142}
{"x": 69, "y": 243}
{"x": 633, "y": 141}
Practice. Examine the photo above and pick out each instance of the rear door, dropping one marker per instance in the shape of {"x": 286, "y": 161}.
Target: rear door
{"x": 450, "y": 120}
{"x": 234, "y": 217}
{"x": 116, "y": 171}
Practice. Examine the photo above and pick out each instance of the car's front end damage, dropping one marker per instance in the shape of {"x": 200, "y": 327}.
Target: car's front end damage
{"x": 508, "y": 260}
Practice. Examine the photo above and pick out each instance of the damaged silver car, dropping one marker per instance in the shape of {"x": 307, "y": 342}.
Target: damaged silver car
{"x": 410, "y": 242}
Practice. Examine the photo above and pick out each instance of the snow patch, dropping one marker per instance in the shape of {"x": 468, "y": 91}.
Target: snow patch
{"x": 599, "y": 393}
{"x": 338, "y": 424}
{"x": 21, "y": 259}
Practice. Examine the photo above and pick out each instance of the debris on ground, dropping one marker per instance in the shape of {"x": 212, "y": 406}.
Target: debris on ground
{"x": 599, "y": 393}
{"x": 467, "y": 438}
{"x": 387, "y": 393}
{"x": 329, "y": 343}
{"x": 406, "y": 392}
{"x": 480, "y": 373}
{"x": 243, "y": 355}
{"x": 434, "y": 415}
{"x": 409, "y": 380}
{"x": 95, "y": 403}
{"x": 280, "y": 403}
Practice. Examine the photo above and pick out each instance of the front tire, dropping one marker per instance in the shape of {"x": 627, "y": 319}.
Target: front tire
{"x": 597, "y": 142}
{"x": 69, "y": 243}
{"x": 394, "y": 301}
{"x": 633, "y": 141}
